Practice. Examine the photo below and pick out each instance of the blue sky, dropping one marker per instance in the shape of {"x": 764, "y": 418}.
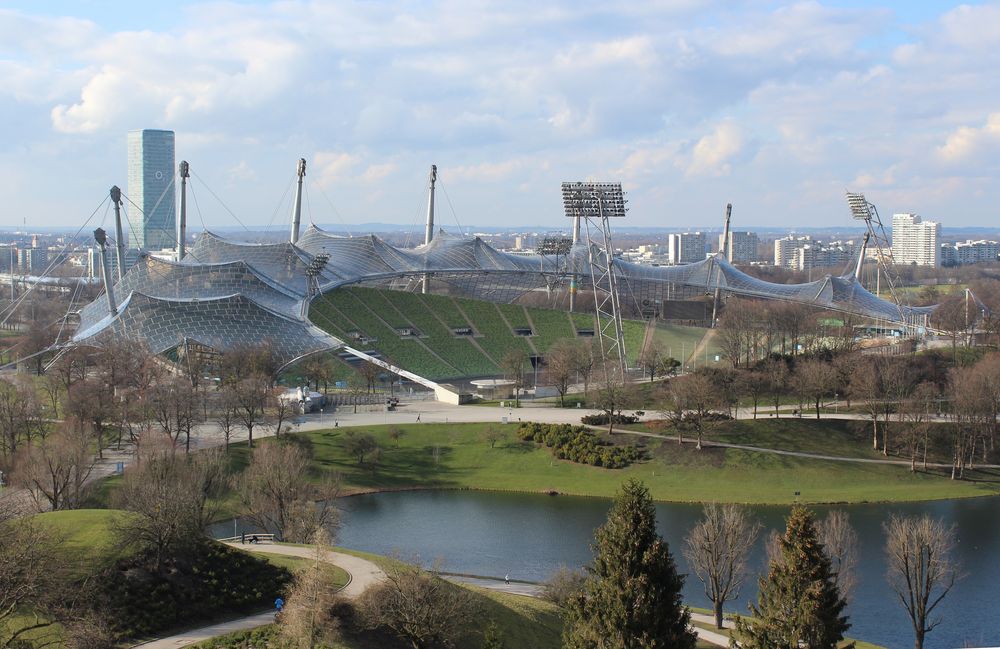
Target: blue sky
{"x": 777, "y": 107}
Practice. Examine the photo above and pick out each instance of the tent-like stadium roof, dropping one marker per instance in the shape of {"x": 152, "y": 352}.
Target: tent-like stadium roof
{"x": 229, "y": 294}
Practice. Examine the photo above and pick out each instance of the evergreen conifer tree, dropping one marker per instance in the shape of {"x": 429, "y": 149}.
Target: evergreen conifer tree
{"x": 632, "y": 598}
{"x": 799, "y": 605}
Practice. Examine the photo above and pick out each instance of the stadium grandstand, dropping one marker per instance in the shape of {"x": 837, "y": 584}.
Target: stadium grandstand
{"x": 443, "y": 309}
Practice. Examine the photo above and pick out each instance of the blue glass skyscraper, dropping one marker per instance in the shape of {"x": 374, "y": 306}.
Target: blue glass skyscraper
{"x": 150, "y": 206}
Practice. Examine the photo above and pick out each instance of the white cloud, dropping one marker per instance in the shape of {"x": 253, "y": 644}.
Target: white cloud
{"x": 712, "y": 155}
{"x": 332, "y": 166}
{"x": 967, "y": 142}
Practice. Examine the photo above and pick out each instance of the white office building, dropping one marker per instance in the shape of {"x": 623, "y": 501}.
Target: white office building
{"x": 915, "y": 241}
{"x": 151, "y": 192}
{"x": 686, "y": 247}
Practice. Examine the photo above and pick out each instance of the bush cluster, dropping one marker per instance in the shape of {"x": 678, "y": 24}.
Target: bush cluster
{"x": 577, "y": 444}
{"x": 214, "y": 580}
{"x": 601, "y": 419}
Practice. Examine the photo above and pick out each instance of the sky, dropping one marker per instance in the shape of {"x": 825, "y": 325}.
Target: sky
{"x": 776, "y": 107}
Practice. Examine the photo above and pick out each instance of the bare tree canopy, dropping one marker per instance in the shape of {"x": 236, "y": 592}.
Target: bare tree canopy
{"x": 840, "y": 542}
{"x": 717, "y": 548}
{"x": 168, "y": 493}
{"x": 54, "y": 470}
{"x": 306, "y": 618}
{"x": 422, "y": 609}
{"x": 278, "y": 496}
{"x": 921, "y": 570}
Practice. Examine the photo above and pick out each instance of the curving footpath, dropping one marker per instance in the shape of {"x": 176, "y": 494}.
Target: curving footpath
{"x": 364, "y": 574}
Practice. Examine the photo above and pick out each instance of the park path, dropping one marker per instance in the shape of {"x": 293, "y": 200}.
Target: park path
{"x": 363, "y": 573}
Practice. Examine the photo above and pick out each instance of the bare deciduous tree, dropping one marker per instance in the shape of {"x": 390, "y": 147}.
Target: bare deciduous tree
{"x": 168, "y": 494}
{"x": 561, "y": 366}
{"x": 28, "y": 580}
{"x": 249, "y": 395}
{"x": 815, "y": 379}
{"x": 513, "y": 366}
{"x": 921, "y": 570}
{"x": 422, "y": 609}
{"x": 277, "y": 495}
{"x": 54, "y": 470}
{"x": 717, "y": 549}
{"x": 840, "y": 542}
{"x": 689, "y": 405}
{"x": 306, "y": 620}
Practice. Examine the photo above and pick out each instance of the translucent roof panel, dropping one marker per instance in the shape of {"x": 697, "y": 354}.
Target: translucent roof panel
{"x": 220, "y": 323}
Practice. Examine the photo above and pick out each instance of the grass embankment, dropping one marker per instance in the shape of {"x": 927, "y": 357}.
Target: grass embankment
{"x": 455, "y": 456}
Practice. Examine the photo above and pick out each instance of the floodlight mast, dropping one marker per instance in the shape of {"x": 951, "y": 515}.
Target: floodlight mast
{"x": 429, "y": 228}
{"x": 862, "y": 210}
{"x": 116, "y": 198}
{"x": 300, "y": 171}
{"x": 595, "y": 204}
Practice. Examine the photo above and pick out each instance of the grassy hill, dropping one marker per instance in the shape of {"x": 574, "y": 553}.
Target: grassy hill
{"x": 437, "y": 352}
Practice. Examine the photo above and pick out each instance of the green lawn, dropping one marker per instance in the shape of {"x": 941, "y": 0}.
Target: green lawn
{"x": 335, "y": 574}
{"x": 453, "y": 456}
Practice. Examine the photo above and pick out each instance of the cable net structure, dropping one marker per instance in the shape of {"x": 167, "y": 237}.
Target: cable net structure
{"x": 229, "y": 294}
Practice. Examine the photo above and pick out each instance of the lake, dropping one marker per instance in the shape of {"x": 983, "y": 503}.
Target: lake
{"x": 529, "y": 536}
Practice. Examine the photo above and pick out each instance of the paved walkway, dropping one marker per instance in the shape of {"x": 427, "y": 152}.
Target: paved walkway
{"x": 363, "y": 574}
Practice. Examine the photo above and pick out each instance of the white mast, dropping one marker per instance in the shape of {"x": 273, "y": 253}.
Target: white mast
{"x": 116, "y": 198}
{"x": 182, "y": 225}
{"x": 429, "y": 230}
{"x": 297, "y": 208}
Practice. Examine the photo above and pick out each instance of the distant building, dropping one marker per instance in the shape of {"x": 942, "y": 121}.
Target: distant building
{"x": 915, "y": 241}
{"x": 786, "y": 249}
{"x": 32, "y": 261}
{"x": 961, "y": 253}
{"x": 686, "y": 247}
{"x": 742, "y": 247}
{"x": 94, "y": 261}
{"x": 150, "y": 188}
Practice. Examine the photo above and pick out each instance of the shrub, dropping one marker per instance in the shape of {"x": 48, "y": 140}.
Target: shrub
{"x": 601, "y": 419}
{"x": 578, "y": 444}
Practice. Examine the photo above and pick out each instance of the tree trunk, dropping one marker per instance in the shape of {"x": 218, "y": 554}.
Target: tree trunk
{"x": 817, "y": 408}
{"x": 875, "y": 432}
{"x": 717, "y": 609}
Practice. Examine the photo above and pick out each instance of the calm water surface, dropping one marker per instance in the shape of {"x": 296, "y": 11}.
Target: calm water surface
{"x": 529, "y": 536}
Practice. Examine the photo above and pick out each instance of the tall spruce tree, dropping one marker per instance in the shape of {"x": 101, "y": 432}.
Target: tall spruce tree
{"x": 632, "y": 598}
{"x": 799, "y": 605}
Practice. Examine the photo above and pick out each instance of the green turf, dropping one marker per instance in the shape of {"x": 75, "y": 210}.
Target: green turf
{"x": 455, "y": 456}
{"x": 86, "y": 537}
{"x": 335, "y": 574}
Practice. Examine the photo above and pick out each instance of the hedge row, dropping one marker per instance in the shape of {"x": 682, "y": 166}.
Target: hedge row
{"x": 578, "y": 444}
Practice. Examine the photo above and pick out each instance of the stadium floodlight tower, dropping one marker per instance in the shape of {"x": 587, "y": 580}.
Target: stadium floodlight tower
{"x": 862, "y": 210}
{"x": 595, "y": 204}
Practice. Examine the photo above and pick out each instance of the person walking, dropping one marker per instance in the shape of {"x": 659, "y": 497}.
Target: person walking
{"x": 506, "y": 579}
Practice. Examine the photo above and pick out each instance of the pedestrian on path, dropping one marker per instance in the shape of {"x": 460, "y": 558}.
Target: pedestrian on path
{"x": 279, "y": 604}
{"x": 506, "y": 579}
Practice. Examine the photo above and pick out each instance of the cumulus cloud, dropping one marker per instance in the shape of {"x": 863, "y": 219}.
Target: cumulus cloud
{"x": 713, "y": 154}
{"x": 675, "y": 93}
{"x": 968, "y": 142}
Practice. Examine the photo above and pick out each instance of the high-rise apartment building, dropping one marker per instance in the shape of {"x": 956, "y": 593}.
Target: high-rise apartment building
{"x": 742, "y": 247}
{"x": 915, "y": 241}
{"x": 786, "y": 250}
{"x": 150, "y": 188}
{"x": 686, "y": 247}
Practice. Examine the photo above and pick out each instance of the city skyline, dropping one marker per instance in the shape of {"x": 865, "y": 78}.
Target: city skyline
{"x": 775, "y": 107}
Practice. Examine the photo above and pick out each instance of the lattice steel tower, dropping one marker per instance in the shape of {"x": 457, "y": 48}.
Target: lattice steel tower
{"x": 862, "y": 210}
{"x": 596, "y": 204}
